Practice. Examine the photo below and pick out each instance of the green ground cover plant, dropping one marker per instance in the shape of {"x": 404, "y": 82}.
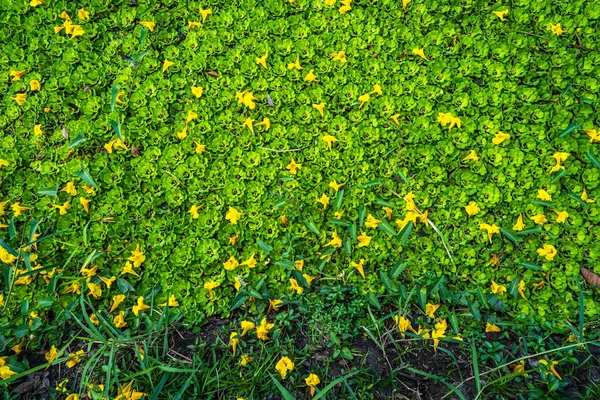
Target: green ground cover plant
{"x": 299, "y": 199}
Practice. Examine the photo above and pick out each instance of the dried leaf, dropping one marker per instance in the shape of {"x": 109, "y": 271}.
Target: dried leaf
{"x": 86, "y": 89}
{"x": 213, "y": 74}
{"x": 135, "y": 151}
{"x": 270, "y": 101}
{"x": 590, "y": 277}
{"x": 65, "y": 133}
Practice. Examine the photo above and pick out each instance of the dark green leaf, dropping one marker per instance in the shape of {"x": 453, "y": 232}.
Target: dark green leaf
{"x": 137, "y": 57}
{"x": 77, "y": 140}
{"x": 124, "y": 286}
{"x": 311, "y": 225}
{"x": 46, "y": 301}
{"x": 12, "y": 231}
{"x": 267, "y": 248}
{"x": 51, "y": 191}
{"x": 8, "y": 248}
{"x": 529, "y": 231}
{"x": 402, "y": 176}
{"x": 570, "y": 129}
{"x": 85, "y": 176}
{"x": 371, "y": 183}
{"x": 239, "y": 300}
{"x": 116, "y": 125}
{"x": 560, "y": 174}
{"x": 593, "y": 158}
{"x": 510, "y": 235}
{"x": 405, "y": 233}
{"x": 373, "y": 300}
{"x": 382, "y": 203}
{"x": 279, "y": 203}
{"x": 388, "y": 283}
{"x": 386, "y": 227}
{"x": 284, "y": 392}
{"x": 474, "y": 310}
{"x": 397, "y": 269}
{"x": 340, "y": 222}
{"x": 361, "y": 215}
{"x": 347, "y": 246}
{"x": 531, "y": 265}
{"x": 143, "y": 34}
{"x": 339, "y": 198}
{"x": 114, "y": 91}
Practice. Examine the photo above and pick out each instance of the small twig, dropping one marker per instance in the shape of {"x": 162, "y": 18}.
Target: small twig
{"x": 282, "y": 151}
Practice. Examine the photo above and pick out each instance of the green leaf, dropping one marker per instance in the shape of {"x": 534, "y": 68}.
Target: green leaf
{"x": 284, "y": 392}
{"x": 311, "y": 225}
{"x": 529, "y": 231}
{"x": 339, "y": 198}
{"x": 347, "y": 243}
{"x": 361, "y": 215}
{"x": 267, "y": 248}
{"x": 453, "y": 321}
{"x": 513, "y": 288}
{"x": 474, "y": 310}
{"x": 113, "y": 96}
{"x": 46, "y": 301}
{"x": 340, "y": 222}
{"x": 531, "y": 265}
{"x": 21, "y": 330}
{"x": 239, "y": 300}
{"x": 77, "y": 140}
{"x": 8, "y": 248}
{"x": 138, "y": 57}
{"x": 373, "y": 300}
{"x": 143, "y": 34}
{"x": 124, "y": 286}
{"x": 371, "y": 183}
{"x": 382, "y": 203}
{"x": 116, "y": 125}
{"x": 402, "y": 176}
{"x": 398, "y": 268}
{"x": 544, "y": 203}
{"x": 593, "y": 158}
{"x": 560, "y": 174}
{"x": 352, "y": 230}
{"x": 510, "y": 235}
{"x": 85, "y": 176}
{"x": 405, "y": 233}
{"x": 578, "y": 199}
{"x": 570, "y": 129}
{"x": 386, "y": 227}
{"x": 12, "y": 231}
{"x": 50, "y": 191}
{"x": 388, "y": 284}
{"x": 279, "y": 203}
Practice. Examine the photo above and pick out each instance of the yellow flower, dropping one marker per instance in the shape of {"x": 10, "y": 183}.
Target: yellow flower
{"x": 246, "y": 98}
{"x": 492, "y": 328}
{"x": 205, "y": 13}
{"x": 200, "y": 148}
{"x": 95, "y": 290}
{"x": 73, "y": 358}
{"x": 194, "y": 24}
{"x": 248, "y": 123}
{"x": 237, "y": 283}
{"x": 72, "y": 396}
{"x": 172, "y": 302}
{"x": 231, "y": 264}
{"x": 167, "y": 64}
{"x": 250, "y": 262}
{"x": 310, "y": 77}
{"x": 119, "y": 320}
{"x": 299, "y": 265}
{"x": 311, "y": 381}
{"x": 16, "y": 75}
{"x": 20, "y": 98}
{"x": 70, "y": 189}
{"x": 430, "y": 309}
{"x": 420, "y": 52}
{"x": 34, "y": 84}
{"x": 561, "y": 216}
{"x": 190, "y": 117}
{"x": 519, "y": 225}
{"x": 363, "y": 99}
{"x": 35, "y": 3}
{"x": 76, "y": 31}
{"x": 128, "y": 269}
{"x": 559, "y": 157}
{"x": 148, "y": 24}
{"x": 329, "y": 140}
{"x": 557, "y": 29}
{"x": 85, "y": 203}
{"x": 335, "y": 186}
{"x": 339, "y": 56}
{"x": 233, "y": 341}
{"x": 247, "y": 326}
{"x": 293, "y": 167}
{"x": 500, "y": 137}
{"x": 372, "y": 222}
{"x": 308, "y": 278}
{"x": 338, "y": 214}
{"x": 336, "y": 241}
{"x": 84, "y": 15}
{"x": 108, "y": 281}
{"x": 388, "y": 212}
{"x": 233, "y": 215}
{"x": 233, "y": 240}
{"x": 140, "y": 306}
{"x": 37, "y": 130}
{"x": 283, "y": 366}
{"x": 116, "y": 302}
{"x": 51, "y": 354}
{"x": 543, "y": 195}
{"x": 593, "y": 134}
{"x": 376, "y": 89}
{"x": 262, "y": 60}
{"x": 330, "y": 2}
{"x": 471, "y": 157}
{"x": 472, "y": 208}
{"x": 345, "y": 6}
{"x": 194, "y": 211}
{"x": 3, "y": 163}
{"x": 403, "y": 324}
{"x": 275, "y": 304}
{"x": 548, "y": 251}
{"x": 363, "y": 240}
{"x": 61, "y": 387}
{"x": 245, "y": 360}
{"x": 405, "y": 3}
{"x": 323, "y": 200}
{"x": 359, "y": 267}
{"x": 320, "y": 108}
{"x": 501, "y": 14}
{"x": 266, "y": 122}
{"x": 62, "y": 210}
{"x": 262, "y": 330}
{"x": 127, "y": 393}
{"x": 447, "y": 119}
{"x": 539, "y": 219}
{"x": 584, "y": 197}
{"x": 498, "y": 289}
{"x": 521, "y": 289}
{"x": 89, "y": 273}
{"x": 197, "y": 91}
{"x": 137, "y": 256}
{"x": 551, "y": 367}
{"x": 295, "y": 64}
{"x": 19, "y": 347}
{"x": 295, "y": 286}
{"x": 491, "y": 229}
